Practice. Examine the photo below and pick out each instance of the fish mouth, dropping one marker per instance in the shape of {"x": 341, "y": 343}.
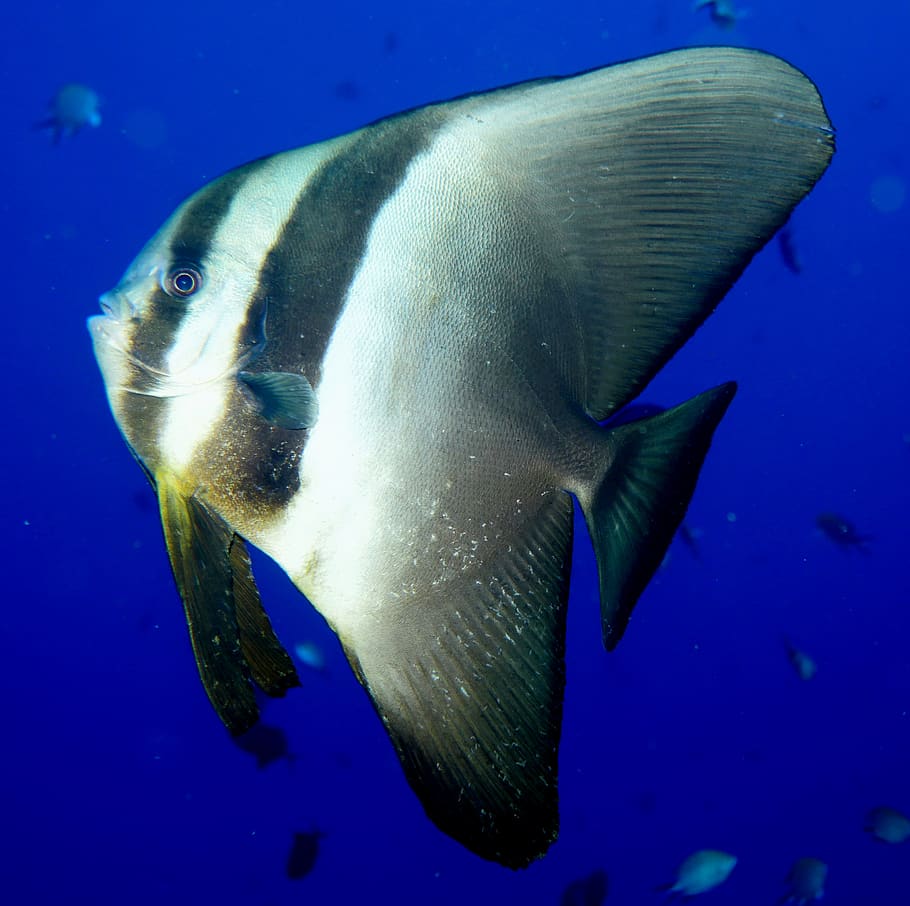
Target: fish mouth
{"x": 109, "y": 328}
{"x": 106, "y": 332}
{"x": 126, "y": 372}
{"x": 116, "y": 306}
{"x": 108, "y": 342}
{"x": 111, "y": 332}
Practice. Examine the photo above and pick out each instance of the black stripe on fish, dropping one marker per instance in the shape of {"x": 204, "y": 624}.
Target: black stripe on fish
{"x": 154, "y": 334}
{"x": 306, "y": 275}
{"x": 302, "y": 287}
{"x": 190, "y": 245}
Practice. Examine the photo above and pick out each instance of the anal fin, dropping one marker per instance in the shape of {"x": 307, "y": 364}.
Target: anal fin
{"x": 469, "y": 681}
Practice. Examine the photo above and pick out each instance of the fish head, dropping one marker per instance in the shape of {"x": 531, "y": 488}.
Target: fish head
{"x": 172, "y": 341}
{"x": 178, "y": 327}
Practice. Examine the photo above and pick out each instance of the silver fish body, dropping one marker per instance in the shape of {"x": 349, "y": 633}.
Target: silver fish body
{"x": 383, "y": 359}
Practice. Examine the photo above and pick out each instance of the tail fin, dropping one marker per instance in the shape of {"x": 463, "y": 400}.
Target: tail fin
{"x": 642, "y": 498}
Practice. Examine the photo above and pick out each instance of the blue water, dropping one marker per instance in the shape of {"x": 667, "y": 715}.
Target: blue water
{"x": 117, "y": 782}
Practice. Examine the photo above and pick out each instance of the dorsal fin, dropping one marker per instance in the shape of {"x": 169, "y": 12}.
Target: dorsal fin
{"x": 657, "y": 181}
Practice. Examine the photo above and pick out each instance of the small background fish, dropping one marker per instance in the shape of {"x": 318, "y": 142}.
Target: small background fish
{"x": 108, "y": 743}
{"x": 73, "y": 108}
{"x": 805, "y": 882}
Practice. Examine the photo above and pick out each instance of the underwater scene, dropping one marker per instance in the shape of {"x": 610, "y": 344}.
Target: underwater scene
{"x": 608, "y": 590}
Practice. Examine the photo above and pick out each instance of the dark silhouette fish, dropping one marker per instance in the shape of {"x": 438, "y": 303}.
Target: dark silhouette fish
{"x": 347, "y": 90}
{"x": 723, "y": 12}
{"x": 804, "y": 665}
{"x": 888, "y": 825}
{"x": 303, "y": 854}
{"x": 689, "y": 537}
{"x": 266, "y": 742}
{"x": 841, "y": 531}
{"x": 805, "y": 882}
{"x": 788, "y": 250}
{"x": 384, "y": 360}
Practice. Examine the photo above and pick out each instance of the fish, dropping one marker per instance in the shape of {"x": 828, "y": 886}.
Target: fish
{"x": 789, "y": 253}
{"x": 805, "y": 882}
{"x": 303, "y": 854}
{"x": 690, "y": 537}
{"x": 266, "y": 742}
{"x": 805, "y": 666}
{"x": 842, "y": 532}
{"x": 723, "y": 12}
{"x": 702, "y": 871}
{"x": 384, "y": 359}
{"x": 72, "y": 108}
{"x": 888, "y": 825}
{"x": 310, "y": 655}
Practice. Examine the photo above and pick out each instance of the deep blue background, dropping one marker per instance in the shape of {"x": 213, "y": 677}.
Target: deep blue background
{"x": 118, "y": 784}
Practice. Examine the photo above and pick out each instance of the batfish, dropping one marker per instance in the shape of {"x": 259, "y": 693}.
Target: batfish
{"x": 383, "y": 360}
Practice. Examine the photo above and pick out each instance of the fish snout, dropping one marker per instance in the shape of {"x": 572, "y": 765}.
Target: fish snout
{"x": 109, "y": 335}
{"x": 116, "y": 305}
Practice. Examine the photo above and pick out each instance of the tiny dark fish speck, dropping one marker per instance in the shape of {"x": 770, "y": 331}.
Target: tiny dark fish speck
{"x": 841, "y": 531}
{"x": 347, "y": 90}
{"x": 689, "y": 538}
{"x": 303, "y": 854}
{"x": 266, "y": 742}
{"x": 805, "y": 882}
{"x": 788, "y": 250}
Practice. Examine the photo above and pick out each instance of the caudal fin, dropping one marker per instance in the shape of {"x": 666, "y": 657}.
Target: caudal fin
{"x": 642, "y": 498}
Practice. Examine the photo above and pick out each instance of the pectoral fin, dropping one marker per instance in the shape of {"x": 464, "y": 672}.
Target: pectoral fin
{"x": 284, "y": 399}
{"x": 231, "y": 636}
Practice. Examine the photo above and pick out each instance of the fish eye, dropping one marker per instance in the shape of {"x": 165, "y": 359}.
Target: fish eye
{"x": 182, "y": 281}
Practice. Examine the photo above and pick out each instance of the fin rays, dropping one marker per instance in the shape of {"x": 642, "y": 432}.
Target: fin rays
{"x": 231, "y": 635}
{"x": 472, "y": 694}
